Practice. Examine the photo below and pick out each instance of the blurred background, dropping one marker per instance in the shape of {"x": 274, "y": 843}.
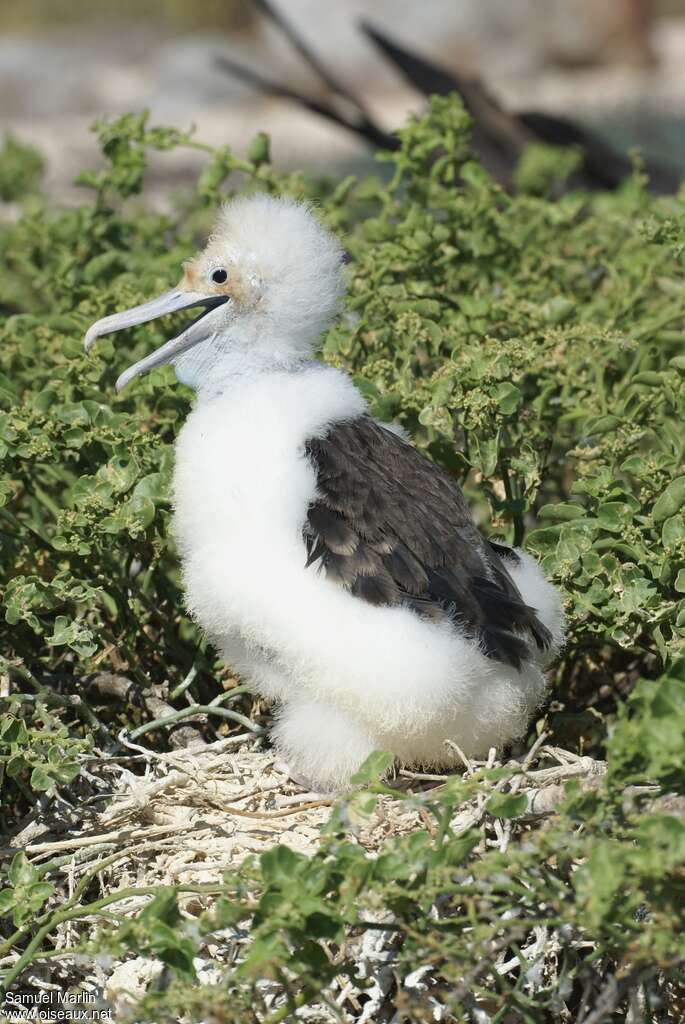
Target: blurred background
{"x": 615, "y": 66}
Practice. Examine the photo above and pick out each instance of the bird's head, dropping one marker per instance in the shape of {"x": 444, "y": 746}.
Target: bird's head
{"x": 269, "y": 281}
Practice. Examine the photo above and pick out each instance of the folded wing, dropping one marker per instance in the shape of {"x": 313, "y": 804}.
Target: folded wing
{"x": 393, "y": 528}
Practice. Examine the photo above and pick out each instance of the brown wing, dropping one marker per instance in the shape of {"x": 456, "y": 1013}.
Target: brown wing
{"x": 393, "y": 528}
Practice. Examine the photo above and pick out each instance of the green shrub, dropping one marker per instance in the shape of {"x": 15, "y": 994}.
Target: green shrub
{"x": 533, "y": 347}
{"x": 21, "y": 169}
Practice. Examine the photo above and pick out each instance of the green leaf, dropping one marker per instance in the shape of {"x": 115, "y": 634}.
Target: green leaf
{"x": 172, "y": 948}
{"x": 37, "y": 893}
{"x": 65, "y": 772}
{"x": 155, "y": 486}
{"x": 16, "y": 765}
{"x": 119, "y": 473}
{"x": 673, "y": 531}
{"x": 374, "y": 768}
{"x": 164, "y": 907}
{"x": 484, "y": 453}
{"x": 558, "y": 309}
{"x": 324, "y": 926}
{"x": 614, "y": 515}
{"x": 508, "y": 397}
{"x": 105, "y": 265}
{"x": 599, "y": 880}
{"x": 648, "y": 741}
{"x": 458, "y": 849}
{"x": 21, "y": 871}
{"x": 7, "y": 901}
{"x": 562, "y": 511}
{"x": 670, "y": 500}
{"x": 258, "y": 150}
{"x": 13, "y": 730}
{"x": 507, "y": 805}
{"x": 41, "y": 780}
{"x": 280, "y": 866}
{"x": 72, "y": 634}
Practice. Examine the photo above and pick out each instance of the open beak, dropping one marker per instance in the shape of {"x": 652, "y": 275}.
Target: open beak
{"x": 170, "y": 302}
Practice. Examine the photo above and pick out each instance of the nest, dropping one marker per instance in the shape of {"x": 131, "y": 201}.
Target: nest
{"x": 188, "y": 816}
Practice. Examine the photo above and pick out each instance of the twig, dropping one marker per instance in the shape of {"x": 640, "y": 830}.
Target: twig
{"x": 197, "y": 709}
{"x": 282, "y": 813}
{"x": 612, "y": 993}
{"x": 236, "y": 691}
{"x": 81, "y": 841}
{"x": 530, "y": 756}
{"x": 179, "y": 690}
{"x": 422, "y": 776}
{"x": 119, "y": 687}
{"x": 175, "y": 756}
{"x": 502, "y": 838}
{"x": 272, "y": 12}
{"x": 462, "y": 756}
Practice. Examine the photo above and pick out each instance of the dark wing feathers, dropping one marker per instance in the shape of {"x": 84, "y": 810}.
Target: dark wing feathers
{"x": 393, "y": 528}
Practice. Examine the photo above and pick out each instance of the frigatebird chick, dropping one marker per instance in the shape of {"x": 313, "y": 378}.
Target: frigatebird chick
{"x": 336, "y": 569}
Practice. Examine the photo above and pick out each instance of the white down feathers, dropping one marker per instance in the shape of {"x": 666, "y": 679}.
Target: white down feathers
{"x": 293, "y": 263}
{"x": 349, "y": 677}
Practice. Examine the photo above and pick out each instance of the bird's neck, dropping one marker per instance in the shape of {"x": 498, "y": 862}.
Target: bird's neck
{"x": 218, "y": 366}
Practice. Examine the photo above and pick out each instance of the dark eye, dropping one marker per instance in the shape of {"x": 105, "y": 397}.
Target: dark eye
{"x": 219, "y": 276}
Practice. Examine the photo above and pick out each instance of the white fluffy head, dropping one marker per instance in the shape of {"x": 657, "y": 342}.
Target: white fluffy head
{"x": 283, "y": 281}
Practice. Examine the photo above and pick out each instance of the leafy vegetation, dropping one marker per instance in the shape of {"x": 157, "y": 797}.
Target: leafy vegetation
{"x": 21, "y": 169}
{"x": 534, "y": 345}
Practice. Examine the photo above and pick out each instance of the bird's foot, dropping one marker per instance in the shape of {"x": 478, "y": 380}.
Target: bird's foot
{"x": 311, "y": 791}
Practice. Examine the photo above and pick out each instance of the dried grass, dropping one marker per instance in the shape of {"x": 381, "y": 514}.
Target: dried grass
{"x": 186, "y": 817}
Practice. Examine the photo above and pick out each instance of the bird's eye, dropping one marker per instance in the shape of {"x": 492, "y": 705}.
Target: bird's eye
{"x": 219, "y": 275}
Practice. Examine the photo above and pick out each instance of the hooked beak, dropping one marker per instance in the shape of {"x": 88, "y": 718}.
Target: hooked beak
{"x": 170, "y": 302}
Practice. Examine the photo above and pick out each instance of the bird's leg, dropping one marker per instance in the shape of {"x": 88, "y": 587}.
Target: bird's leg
{"x": 311, "y": 792}
{"x": 321, "y": 744}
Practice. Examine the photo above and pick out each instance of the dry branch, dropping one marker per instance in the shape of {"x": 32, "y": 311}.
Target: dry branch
{"x": 119, "y": 687}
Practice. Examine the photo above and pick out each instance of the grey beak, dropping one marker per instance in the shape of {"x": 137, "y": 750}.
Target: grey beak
{"x": 170, "y": 302}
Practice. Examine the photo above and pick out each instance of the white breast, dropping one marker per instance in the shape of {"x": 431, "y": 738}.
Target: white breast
{"x": 241, "y": 476}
